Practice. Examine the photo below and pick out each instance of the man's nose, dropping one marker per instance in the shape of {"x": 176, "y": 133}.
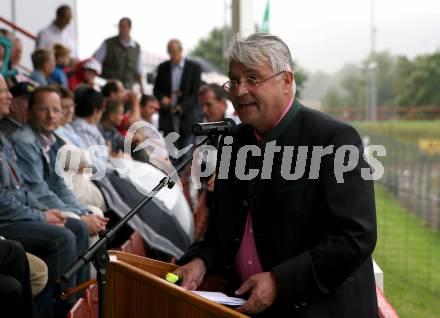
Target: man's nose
{"x": 51, "y": 113}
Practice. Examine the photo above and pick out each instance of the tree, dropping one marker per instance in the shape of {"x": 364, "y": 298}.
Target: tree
{"x": 418, "y": 82}
{"x": 212, "y": 48}
{"x": 351, "y": 87}
{"x": 333, "y": 99}
{"x": 348, "y": 89}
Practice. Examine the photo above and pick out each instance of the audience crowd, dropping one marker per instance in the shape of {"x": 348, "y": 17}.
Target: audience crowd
{"x": 47, "y": 220}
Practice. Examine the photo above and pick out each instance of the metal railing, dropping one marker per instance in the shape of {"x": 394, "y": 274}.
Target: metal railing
{"x": 18, "y": 28}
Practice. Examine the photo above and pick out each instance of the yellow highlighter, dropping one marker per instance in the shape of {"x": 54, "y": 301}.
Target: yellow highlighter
{"x": 173, "y": 278}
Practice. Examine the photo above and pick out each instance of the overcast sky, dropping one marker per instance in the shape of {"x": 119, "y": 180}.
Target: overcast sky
{"x": 322, "y": 34}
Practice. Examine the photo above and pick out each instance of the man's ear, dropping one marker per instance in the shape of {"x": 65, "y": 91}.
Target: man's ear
{"x": 288, "y": 79}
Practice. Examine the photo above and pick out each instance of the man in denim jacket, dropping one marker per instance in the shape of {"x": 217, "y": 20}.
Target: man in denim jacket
{"x": 36, "y": 147}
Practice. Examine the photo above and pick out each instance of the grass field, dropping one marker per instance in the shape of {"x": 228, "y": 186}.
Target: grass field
{"x": 404, "y": 130}
{"x": 409, "y": 255}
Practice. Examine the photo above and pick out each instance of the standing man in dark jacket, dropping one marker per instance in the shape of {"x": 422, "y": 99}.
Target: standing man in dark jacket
{"x": 176, "y": 87}
{"x": 120, "y": 57}
{"x": 288, "y": 229}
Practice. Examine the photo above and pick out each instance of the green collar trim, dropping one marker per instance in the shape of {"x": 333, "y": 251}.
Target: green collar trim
{"x": 282, "y": 125}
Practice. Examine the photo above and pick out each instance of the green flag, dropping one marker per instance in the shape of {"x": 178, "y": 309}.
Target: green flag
{"x": 265, "y": 24}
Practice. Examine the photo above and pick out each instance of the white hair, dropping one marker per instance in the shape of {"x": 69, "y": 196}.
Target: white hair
{"x": 261, "y": 49}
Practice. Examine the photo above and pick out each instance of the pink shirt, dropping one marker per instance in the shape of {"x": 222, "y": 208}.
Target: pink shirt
{"x": 247, "y": 261}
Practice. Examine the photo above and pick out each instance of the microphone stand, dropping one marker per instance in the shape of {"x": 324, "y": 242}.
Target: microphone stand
{"x": 97, "y": 253}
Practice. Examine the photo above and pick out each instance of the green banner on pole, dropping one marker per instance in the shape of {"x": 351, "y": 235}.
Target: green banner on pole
{"x": 266, "y": 17}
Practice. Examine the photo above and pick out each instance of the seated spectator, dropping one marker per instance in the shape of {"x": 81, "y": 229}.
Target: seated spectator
{"x": 7, "y": 40}
{"x": 112, "y": 118}
{"x": 88, "y": 111}
{"x": 213, "y": 99}
{"x": 7, "y": 43}
{"x": 44, "y": 64}
{"x": 15, "y": 289}
{"x": 15, "y": 73}
{"x": 85, "y": 190}
{"x": 36, "y": 147}
{"x": 114, "y": 90}
{"x": 6, "y": 48}
{"x": 17, "y": 50}
{"x": 149, "y": 108}
{"x": 45, "y": 232}
{"x": 19, "y": 108}
{"x": 84, "y": 74}
{"x": 65, "y": 130}
{"x": 62, "y": 58}
{"x": 148, "y": 135}
{"x": 91, "y": 69}
{"x": 83, "y": 131}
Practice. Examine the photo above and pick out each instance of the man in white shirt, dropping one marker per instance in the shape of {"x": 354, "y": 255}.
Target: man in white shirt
{"x": 59, "y": 32}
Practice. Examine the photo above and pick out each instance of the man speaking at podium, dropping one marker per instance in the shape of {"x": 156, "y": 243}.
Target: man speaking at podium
{"x": 293, "y": 244}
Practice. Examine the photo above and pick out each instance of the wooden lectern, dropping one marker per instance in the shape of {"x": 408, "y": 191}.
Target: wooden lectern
{"x": 136, "y": 288}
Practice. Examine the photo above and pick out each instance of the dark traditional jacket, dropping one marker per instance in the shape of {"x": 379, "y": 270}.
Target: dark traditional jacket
{"x": 315, "y": 234}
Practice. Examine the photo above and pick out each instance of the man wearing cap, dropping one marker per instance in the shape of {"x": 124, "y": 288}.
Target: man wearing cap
{"x": 120, "y": 57}
{"x": 84, "y": 74}
{"x": 91, "y": 69}
{"x": 19, "y": 108}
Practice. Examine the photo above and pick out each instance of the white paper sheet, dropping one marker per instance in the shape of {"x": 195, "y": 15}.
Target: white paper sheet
{"x": 220, "y": 298}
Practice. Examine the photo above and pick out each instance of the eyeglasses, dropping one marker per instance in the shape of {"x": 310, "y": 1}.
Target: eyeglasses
{"x": 248, "y": 83}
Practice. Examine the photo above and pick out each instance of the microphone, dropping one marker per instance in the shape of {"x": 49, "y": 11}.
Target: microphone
{"x": 224, "y": 127}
